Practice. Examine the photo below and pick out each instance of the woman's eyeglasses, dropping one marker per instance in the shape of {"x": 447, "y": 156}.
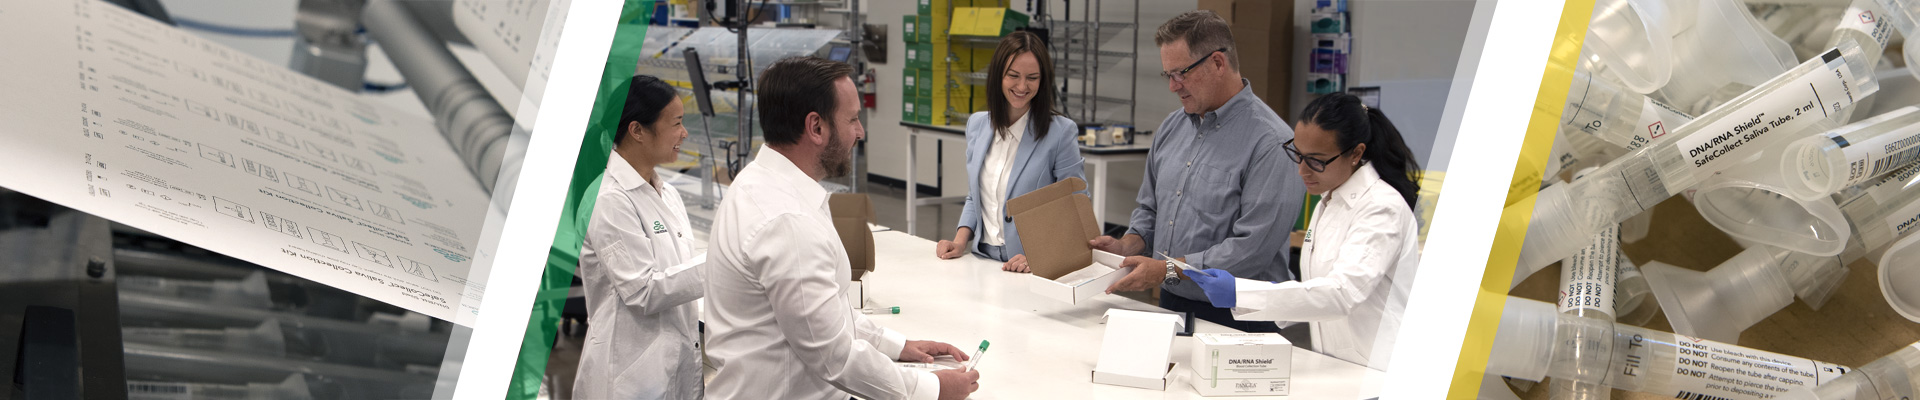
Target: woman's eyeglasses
{"x": 1315, "y": 164}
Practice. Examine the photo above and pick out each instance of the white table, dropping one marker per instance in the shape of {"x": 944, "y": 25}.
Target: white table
{"x": 936, "y": 133}
{"x": 1099, "y": 161}
{"x": 1043, "y": 349}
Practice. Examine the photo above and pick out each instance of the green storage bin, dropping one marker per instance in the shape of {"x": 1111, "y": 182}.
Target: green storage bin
{"x": 925, "y": 8}
{"x": 908, "y": 112}
{"x": 926, "y": 29}
{"x": 910, "y": 28}
{"x": 926, "y": 110}
{"x": 924, "y": 84}
{"x": 908, "y": 83}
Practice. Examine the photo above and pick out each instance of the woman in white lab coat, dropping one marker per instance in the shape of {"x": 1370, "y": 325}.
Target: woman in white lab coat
{"x": 1357, "y": 260}
{"x": 637, "y": 261}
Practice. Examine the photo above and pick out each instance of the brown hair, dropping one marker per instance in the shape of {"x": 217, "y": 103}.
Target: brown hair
{"x": 998, "y": 109}
{"x": 792, "y": 88}
{"x": 1203, "y": 31}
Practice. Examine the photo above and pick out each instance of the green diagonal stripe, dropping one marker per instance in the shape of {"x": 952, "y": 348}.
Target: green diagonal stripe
{"x": 564, "y": 256}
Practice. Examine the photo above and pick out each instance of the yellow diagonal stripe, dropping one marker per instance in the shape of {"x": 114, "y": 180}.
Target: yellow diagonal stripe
{"x": 1512, "y": 232}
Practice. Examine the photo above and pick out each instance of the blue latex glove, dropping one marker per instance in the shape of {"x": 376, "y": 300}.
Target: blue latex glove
{"x": 1217, "y": 283}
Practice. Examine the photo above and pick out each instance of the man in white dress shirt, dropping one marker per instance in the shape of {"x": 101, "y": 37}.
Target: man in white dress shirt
{"x": 779, "y": 327}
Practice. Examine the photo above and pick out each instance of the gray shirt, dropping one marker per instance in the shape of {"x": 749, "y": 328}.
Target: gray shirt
{"x": 1220, "y": 191}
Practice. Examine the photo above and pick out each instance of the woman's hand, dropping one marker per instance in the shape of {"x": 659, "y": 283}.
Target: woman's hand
{"x": 1016, "y": 264}
{"x": 951, "y": 249}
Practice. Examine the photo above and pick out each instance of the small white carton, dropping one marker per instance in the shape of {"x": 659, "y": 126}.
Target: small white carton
{"x": 1241, "y": 364}
{"x": 1135, "y": 348}
{"x": 856, "y": 294}
{"x": 1083, "y": 284}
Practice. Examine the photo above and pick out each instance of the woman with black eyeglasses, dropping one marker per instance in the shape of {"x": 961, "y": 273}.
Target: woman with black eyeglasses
{"x": 1357, "y": 260}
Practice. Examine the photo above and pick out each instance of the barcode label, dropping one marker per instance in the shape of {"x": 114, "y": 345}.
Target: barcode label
{"x": 139, "y": 390}
{"x": 1686, "y": 395}
{"x": 1896, "y": 160}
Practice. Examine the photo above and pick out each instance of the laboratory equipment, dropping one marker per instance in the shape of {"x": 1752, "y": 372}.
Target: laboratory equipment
{"x": 1568, "y": 215}
{"x": 144, "y": 312}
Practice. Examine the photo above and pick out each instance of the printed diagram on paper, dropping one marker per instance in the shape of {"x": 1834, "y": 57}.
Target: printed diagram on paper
{"x": 116, "y": 115}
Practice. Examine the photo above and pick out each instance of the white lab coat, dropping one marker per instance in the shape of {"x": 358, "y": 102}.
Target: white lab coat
{"x": 777, "y": 324}
{"x": 1356, "y": 267}
{"x": 642, "y": 281}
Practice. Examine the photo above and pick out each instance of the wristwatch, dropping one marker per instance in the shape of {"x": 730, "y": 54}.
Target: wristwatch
{"x": 1173, "y": 274}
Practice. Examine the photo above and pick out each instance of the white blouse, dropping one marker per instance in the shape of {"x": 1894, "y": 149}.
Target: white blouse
{"x": 994, "y": 174}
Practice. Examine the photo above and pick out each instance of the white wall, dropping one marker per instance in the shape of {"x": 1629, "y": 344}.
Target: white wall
{"x": 1408, "y": 48}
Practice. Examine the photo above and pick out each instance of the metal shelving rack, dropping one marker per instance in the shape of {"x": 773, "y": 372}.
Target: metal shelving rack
{"x": 1079, "y": 58}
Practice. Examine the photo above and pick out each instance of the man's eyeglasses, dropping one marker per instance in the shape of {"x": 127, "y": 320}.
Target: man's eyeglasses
{"x": 1315, "y": 164}
{"x": 1181, "y": 75}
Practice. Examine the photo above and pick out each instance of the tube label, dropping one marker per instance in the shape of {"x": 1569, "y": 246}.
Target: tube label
{"x": 1868, "y": 23}
{"x": 1705, "y": 369}
{"x": 1655, "y": 121}
{"x": 1795, "y": 106}
{"x": 1891, "y": 185}
{"x": 1589, "y": 276}
{"x": 1902, "y": 221}
{"x": 1880, "y": 154}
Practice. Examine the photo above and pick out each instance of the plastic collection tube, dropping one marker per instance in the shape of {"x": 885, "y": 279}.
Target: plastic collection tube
{"x": 1587, "y": 284}
{"x": 1620, "y": 117}
{"x": 1632, "y": 41}
{"x": 1903, "y": 15}
{"x": 1568, "y": 215}
{"x": 266, "y": 339}
{"x": 1854, "y": 154}
{"x": 294, "y": 388}
{"x": 1642, "y": 360}
{"x": 1888, "y": 378}
{"x": 1718, "y": 304}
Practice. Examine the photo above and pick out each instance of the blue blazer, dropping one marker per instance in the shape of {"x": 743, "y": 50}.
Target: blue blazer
{"x": 1035, "y": 165}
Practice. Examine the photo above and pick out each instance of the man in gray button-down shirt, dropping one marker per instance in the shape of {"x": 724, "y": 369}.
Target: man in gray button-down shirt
{"x": 1219, "y": 192}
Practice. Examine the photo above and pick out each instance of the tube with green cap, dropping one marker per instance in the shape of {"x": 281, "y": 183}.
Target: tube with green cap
{"x": 976, "y": 356}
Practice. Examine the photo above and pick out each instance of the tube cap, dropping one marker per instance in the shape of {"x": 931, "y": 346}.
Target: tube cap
{"x": 1759, "y": 212}
{"x": 1900, "y": 277}
{"x": 1717, "y": 305}
{"x": 1525, "y": 339}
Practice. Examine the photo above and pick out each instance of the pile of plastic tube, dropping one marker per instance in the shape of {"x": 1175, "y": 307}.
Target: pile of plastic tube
{"x": 1700, "y": 98}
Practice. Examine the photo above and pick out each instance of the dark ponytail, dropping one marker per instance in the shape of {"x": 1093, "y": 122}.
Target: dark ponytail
{"x": 1353, "y": 123}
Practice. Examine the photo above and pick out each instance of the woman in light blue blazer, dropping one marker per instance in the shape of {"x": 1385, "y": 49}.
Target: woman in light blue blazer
{"x": 1019, "y": 144}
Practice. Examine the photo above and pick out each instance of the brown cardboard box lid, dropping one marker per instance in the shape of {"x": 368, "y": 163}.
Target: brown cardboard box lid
{"x": 1055, "y": 224}
{"x": 851, "y": 212}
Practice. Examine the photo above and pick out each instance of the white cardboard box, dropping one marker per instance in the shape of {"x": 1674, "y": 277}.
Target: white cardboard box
{"x": 1076, "y": 292}
{"x": 1241, "y": 364}
{"x": 1135, "y": 348}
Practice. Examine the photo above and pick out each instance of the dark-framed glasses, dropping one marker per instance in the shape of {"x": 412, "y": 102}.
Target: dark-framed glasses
{"x": 1181, "y": 75}
{"x": 1315, "y": 164}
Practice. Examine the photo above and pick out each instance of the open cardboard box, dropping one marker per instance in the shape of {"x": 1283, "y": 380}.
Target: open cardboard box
{"x": 1055, "y": 223}
{"x": 851, "y": 213}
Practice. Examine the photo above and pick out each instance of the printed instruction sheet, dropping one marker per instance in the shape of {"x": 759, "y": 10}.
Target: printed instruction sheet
{"x": 115, "y": 114}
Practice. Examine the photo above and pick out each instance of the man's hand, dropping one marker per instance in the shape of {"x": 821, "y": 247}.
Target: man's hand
{"x": 925, "y": 350}
{"x": 956, "y": 385}
{"x": 1016, "y": 264}
{"x": 1147, "y": 273}
{"x": 1106, "y": 243}
{"x": 951, "y": 249}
